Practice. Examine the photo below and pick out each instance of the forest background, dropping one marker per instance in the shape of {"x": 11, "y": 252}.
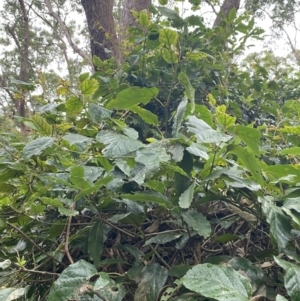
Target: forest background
{"x": 143, "y": 156}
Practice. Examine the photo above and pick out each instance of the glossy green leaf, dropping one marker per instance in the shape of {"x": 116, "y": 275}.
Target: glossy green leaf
{"x": 68, "y": 212}
{"x": 37, "y": 147}
{"x": 291, "y": 278}
{"x": 89, "y": 86}
{"x": 152, "y": 279}
{"x": 131, "y": 97}
{"x": 186, "y": 197}
{"x": 250, "y": 136}
{"x": 280, "y": 225}
{"x": 73, "y": 105}
{"x": 168, "y": 36}
{"x": 145, "y": 115}
{"x": 167, "y": 12}
{"x": 128, "y": 218}
{"x": 98, "y": 113}
{"x": 218, "y": 282}
{"x": 147, "y": 197}
{"x": 197, "y": 221}
{"x": 189, "y": 89}
{"x": 74, "y": 277}
{"x": 249, "y": 161}
{"x": 95, "y": 243}
{"x": 43, "y": 127}
{"x": 82, "y": 142}
{"x": 117, "y": 145}
{"x": 10, "y": 294}
{"x": 178, "y": 118}
{"x": 170, "y": 56}
{"x": 248, "y": 269}
{"x": 163, "y": 238}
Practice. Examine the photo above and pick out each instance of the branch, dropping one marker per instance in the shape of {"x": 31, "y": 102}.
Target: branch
{"x": 33, "y": 243}
{"x": 66, "y": 31}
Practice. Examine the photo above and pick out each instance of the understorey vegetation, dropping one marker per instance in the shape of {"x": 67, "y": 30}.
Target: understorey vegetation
{"x": 171, "y": 176}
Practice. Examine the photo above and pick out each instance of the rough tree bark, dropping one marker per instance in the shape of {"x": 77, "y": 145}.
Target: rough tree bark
{"x": 127, "y": 18}
{"x": 226, "y": 7}
{"x": 99, "y": 15}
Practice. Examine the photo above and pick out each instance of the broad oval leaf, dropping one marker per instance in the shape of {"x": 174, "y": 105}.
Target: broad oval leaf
{"x": 198, "y": 222}
{"x": 186, "y": 197}
{"x": 168, "y": 36}
{"x": 117, "y": 145}
{"x": 10, "y": 294}
{"x": 153, "y": 278}
{"x": 131, "y": 97}
{"x": 217, "y": 282}
{"x": 68, "y": 285}
{"x": 37, "y": 146}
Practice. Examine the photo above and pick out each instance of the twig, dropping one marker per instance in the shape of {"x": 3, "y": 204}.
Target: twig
{"x": 37, "y": 246}
{"x": 162, "y": 260}
{"x": 67, "y": 241}
{"x": 90, "y": 288}
{"x": 40, "y": 272}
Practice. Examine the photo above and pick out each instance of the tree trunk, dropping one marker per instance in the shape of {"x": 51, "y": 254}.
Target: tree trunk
{"x": 127, "y": 18}
{"x": 226, "y": 7}
{"x": 99, "y": 15}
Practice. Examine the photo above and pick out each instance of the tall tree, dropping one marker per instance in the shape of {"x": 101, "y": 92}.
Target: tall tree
{"x": 226, "y": 7}
{"x": 99, "y": 16}
{"x": 127, "y": 17}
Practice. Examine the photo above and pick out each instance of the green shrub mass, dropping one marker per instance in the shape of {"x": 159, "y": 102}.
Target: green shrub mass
{"x": 172, "y": 177}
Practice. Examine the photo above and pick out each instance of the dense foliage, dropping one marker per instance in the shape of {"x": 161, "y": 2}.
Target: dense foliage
{"x": 172, "y": 177}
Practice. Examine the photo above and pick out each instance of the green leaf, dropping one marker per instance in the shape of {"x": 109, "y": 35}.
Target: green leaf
{"x": 56, "y": 203}
{"x": 232, "y": 15}
{"x": 131, "y": 97}
{"x": 217, "y": 282}
{"x": 198, "y": 222}
{"x": 144, "y": 18}
{"x": 153, "y": 278}
{"x": 37, "y": 146}
{"x": 169, "y": 37}
{"x": 224, "y": 119}
{"x": 117, "y": 145}
{"x": 71, "y": 280}
{"x": 82, "y": 142}
{"x": 94, "y": 188}
{"x": 10, "y": 294}
{"x": 76, "y": 178}
{"x": 251, "y": 137}
{"x": 148, "y": 197}
{"x": 249, "y": 269}
{"x": 98, "y": 113}
{"x": 204, "y": 133}
{"x": 198, "y": 150}
{"x": 146, "y": 115}
{"x": 68, "y": 212}
{"x": 167, "y": 12}
{"x": 170, "y": 56}
{"x": 291, "y": 278}
{"x": 89, "y": 86}
{"x": 43, "y": 127}
{"x": 95, "y": 243}
{"x": 189, "y": 89}
{"x": 186, "y": 197}
{"x": 295, "y": 151}
{"x": 280, "y": 226}
{"x": 73, "y": 105}
{"x": 249, "y": 161}
{"x": 178, "y": 118}
{"x": 128, "y": 218}
{"x": 163, "y": 238}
